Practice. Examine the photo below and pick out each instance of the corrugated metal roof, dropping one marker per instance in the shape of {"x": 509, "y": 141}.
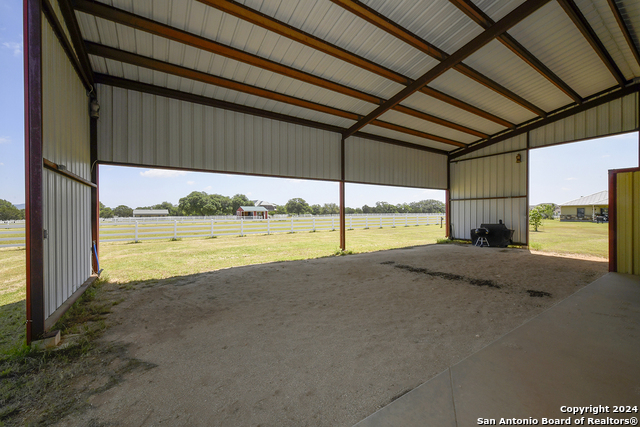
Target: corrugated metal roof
{"x": 549, "y": 35}
{"x": 253, "y": 208}
{"x": 601, "y": 198}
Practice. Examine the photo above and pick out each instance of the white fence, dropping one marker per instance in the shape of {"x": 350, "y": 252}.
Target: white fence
{"x": 140, "y": 229}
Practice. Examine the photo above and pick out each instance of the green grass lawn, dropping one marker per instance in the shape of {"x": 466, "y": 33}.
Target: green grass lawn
{"x": 585, "y": 238}
{"x": 159, "y": 259}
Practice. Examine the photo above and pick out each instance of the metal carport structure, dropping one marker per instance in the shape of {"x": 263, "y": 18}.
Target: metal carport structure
{"x": 447, "y": 95}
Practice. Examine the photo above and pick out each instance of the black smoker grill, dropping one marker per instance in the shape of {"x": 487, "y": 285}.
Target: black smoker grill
{"x": 498, "y": 235}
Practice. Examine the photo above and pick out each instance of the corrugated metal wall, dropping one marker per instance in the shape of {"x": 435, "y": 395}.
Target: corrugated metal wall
{"x": 617, "y": 116}
{"x": 489, "y": 189}
{"x": 518, "y": 142}
{"x": 373, "y": 162}
{"x": 67, "y": 216}
{"x": 150, "y": 130}
{"x": 628, "y": 222}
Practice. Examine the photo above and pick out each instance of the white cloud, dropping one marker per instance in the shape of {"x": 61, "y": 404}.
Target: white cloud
{"x": 1, "y": 164}
{"x": 162, "y": 173}
{"x": 565, "y": 189}
{"x": 190, "y": 182}
{"x": 15, "y": 47}
{"x": 571, "y": 179}
{"x": 5, "y": 140}
{"x": 606, "y": 155}
{"x": 208, "y": 188}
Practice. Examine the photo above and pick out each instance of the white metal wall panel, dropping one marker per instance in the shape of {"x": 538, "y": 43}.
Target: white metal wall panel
{"x": 487, "y": 190}
{"x": 67, "y": 247}
{"x": 617, "y": 116}
{"x": 142, "y": 129}
{"x": 67, "y": 216}
{"x": 518, "y": 142}
{"x": 65, "y": 104}
{"x": 374, "y": 162}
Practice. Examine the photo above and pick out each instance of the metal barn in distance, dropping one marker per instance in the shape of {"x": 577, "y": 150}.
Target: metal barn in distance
{"x": 444, "y": 94}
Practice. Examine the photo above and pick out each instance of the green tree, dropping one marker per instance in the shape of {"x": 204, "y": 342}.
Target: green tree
{"x": 384, "y": 207}
{"x": 547, "y": 210}
{"x": 330, "y": 209}
{"x": 8, "y": 212}
{"x": 297, "y": 206}
{"x": 123, "y": 211}
{"x": 193, "y": 204}
{"x": 316, "y": 209}
{"x": 535, "y": 218}
{"x": 105, "y": 212}
{"x": 280, "y": 210}
{"x": 239, "y": 200}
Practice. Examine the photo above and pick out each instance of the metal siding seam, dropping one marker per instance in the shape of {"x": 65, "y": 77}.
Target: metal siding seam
{"x": 636, "y": 223}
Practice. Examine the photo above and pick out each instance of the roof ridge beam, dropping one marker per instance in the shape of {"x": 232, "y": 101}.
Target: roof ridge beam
{"x": 225, "y": 105}
{"x": 257, "y": 18}
{"x": 511, "y": 19}
{"x": 572, "y": 10}
{"x": 385, "y": 24}
{"x": 153, "y": 27}
{"x": 482, "y": 19}
{"x": 177, "y": 70}
{"x": 624, "y": 29}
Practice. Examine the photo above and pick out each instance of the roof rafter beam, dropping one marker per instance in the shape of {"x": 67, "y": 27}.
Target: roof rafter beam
{"x": 225, "y": 105}
{"x": 373, "y": 17}
{"x": 144, "y": 24}
{"x": 250, "y": 15}
{"x": 482, "y": 19}
{"x": 511, "y": 19}
{"x": 571, "y": 9}
{"x": 165, "y": 67}
{"x": 624, "y": 29}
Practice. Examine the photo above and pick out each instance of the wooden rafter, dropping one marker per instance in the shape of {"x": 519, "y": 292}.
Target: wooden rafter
{"x": 511, "y": 19}
{"x": 571, "y": 9}
{"x": 382, "y": 22}
{"x": 625, "y": 30}
{"x": 169, "y": 68}
{"x": 250, "y": 15}
{"x": 482, "y": 19}
{"x": 225, "y": 105}
{"x": 140, "y": 23}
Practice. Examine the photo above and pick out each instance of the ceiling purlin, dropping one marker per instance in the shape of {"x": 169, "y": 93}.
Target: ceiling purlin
{"x": 373, "y": 17}
{"x": 225, "y": 105}
{"x": 76, "y": 37}
{"x": 189, "y": 73}
{"x": 624, "y": 29}
{"x": 583, "y": 26}
{"x": 482, "y": 19}
{"x": 511, "y": 19}
{"x": 141, "y": 23}
{"x": 250, "y": 15}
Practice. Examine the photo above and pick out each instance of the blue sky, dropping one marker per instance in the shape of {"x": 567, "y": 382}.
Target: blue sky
{"x": 558, "y": 174}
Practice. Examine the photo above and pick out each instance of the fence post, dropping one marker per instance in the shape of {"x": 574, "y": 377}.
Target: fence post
{"x": 406, "y": 220}
{"x": 350, "y": 225}
{"x": 212, "y": 228}
{"x": 417, "y": 219}
{"x": 292, "y": 224}
{"x": 366, "y": 222}
{"x": 175, "y": 230}
{"x": 136, "y": 233}
{"x": 394, "y": 222}
{"x": 333, "y": 223}
{"x": 268, "y": 226}
{"x": 241, "y": 227}
{"x": 380, "y": 221}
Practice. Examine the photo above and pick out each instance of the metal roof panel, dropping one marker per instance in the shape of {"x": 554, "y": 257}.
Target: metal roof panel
{"x": 408, "y": 121}
{"x": 376, "y": 130}
{"x": 550, "y": 35}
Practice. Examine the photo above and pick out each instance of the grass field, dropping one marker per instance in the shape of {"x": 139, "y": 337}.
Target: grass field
{"x": 571, "y": 238}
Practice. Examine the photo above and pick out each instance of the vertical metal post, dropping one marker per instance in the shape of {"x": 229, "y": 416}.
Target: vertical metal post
{"x": 528, "y": 190}
{"x": 34, "y": 227}
{"x": 613, "y": 221}
{"x": 343, "y": 230}
{"x": 95, "y": 199}
{"x": 447, "y": 202}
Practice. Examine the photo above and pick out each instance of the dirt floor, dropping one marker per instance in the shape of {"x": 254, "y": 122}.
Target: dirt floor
{"x": 323, "y": 342}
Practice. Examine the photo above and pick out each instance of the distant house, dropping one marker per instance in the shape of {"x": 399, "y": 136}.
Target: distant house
{"x": 150, "y": 212}
{"x": 252, "y": 212}
{"x": 267, "y": 205}
{"x": 585, "y": 208}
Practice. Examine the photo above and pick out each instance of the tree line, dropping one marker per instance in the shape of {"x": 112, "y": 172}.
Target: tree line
{"x": 199, "y": 203}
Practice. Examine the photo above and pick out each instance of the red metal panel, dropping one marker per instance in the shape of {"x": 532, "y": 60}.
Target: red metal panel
{"x": 33, "y": 168}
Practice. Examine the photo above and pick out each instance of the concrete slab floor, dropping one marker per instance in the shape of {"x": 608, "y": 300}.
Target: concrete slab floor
{"x": 582, "y": 352}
